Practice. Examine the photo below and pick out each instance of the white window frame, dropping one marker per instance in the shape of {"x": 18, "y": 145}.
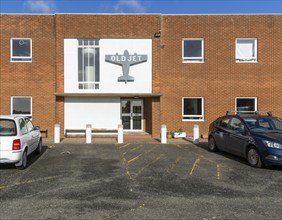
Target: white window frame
{"x": 256, "y": 104}
{"x": 14, "y": 58}
{"x": 201, "y": 117}
{"x": 193, "y": 59}
{"x": 246, "y": 59}
{"x": 28, "y": 115}
{"x": 95, "y": 83}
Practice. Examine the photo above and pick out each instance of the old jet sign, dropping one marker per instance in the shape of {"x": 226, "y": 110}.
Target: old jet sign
{"x": 125, "y": 61}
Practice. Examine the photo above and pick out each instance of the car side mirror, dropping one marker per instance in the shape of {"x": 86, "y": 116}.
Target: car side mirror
{"x": 36, "y": 128}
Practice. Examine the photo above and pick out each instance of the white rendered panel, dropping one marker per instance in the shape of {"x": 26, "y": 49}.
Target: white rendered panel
{"x": 99, "y": 112}
{"x": 110, "y": 72}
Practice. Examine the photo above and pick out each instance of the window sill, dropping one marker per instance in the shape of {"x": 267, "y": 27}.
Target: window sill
{"x": 246, "y": 61}
{"x": 192, "y": 61}
{"x": 193, "y": 120}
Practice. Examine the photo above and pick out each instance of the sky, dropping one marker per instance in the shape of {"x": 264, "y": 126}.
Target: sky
{"x": 142, "y": 6}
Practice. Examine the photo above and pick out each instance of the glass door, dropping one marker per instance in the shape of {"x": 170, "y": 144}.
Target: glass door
{"x": 132, "y": 114}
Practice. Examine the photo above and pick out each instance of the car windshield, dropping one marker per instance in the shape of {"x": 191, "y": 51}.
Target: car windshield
{"x": 7, "y": 127}
{"x": 264, "y": 124}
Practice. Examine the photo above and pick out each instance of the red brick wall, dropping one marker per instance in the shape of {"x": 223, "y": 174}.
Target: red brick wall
{"x": 36, "y": 78}
{"x": 219, "y": 79}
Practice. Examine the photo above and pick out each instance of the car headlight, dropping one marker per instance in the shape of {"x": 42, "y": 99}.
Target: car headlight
{"x": 272, "y": 144}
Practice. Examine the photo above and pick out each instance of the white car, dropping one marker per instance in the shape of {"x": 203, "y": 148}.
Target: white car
{"x": 18, "y": 139}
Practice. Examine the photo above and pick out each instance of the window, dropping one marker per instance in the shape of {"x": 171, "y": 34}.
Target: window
{"x": 236, "y": 125}
{"x": 192, "y": 108}
{"x": 21, "y": 49}
{"x": 21, "y": 106}
{"x": 23, "y": 126}
{"x": 193, "y": 50}
{"x": 7, "y": 127}
{"x": 88, "y": 64}
{"x": 28, "y": 124}
{"x": 224, "y": 122}
{"x": 246, "y": 105}
{"x": 246, "y": 50}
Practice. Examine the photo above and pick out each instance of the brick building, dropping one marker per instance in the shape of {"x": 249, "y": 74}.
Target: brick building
{"x": 139, "y": 70}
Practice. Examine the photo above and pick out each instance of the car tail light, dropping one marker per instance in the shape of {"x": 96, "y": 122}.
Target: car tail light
{"x": 17, "y": 144}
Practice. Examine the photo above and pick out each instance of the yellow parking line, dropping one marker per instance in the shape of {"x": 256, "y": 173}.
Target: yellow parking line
{"x": 140, "y": 155}
{"x": 30, "y": 181}
{"x": 171, "y": 167}
{"x": 197, "y": 161}
{"x": 155, "y": 160}
{"x": 218, "y": 171}
{"x": 124, "y": 146}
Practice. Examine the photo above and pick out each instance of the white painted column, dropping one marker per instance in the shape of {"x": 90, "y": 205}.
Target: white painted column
{"x": 163, "y": 134}
{"x": 88, "y": 134}
{"x": 120, "y": 134}
{"x": 57, "y": 134}
{"x": 196, "y": 134}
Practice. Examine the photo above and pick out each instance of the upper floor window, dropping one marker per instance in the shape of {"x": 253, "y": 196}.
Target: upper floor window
{"x": 193, "y": 50}
{"x": 192, "y": 108}
{"x": 21, "y": 105}
{"x": 21, "y": 49}
{"x": 246, "y": 50}
{"x": 88, "y": 64}
{"x": 246, "y": 105}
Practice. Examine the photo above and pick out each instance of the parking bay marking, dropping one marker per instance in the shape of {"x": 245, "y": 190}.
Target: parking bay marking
{"x": 172, "y": 166}
{"x": 149, "y": 164}
{"x": 218, "y": 166}
{"x": 140, "y": 155}
{"x": 30, "y": 181}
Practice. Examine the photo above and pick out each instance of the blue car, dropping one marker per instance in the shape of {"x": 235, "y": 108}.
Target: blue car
{"x": 258, "y": 138}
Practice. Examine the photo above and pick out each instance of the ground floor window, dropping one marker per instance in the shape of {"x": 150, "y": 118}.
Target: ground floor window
{"x": 21, "y": 105}
{"x": 246, "y": 105}
{"x": 192, "y": 108}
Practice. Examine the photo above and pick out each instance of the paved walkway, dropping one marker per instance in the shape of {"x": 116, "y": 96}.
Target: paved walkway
{"x": 127, "y": 139}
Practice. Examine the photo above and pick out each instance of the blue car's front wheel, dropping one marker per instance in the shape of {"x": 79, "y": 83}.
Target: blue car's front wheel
{"x": 254, "y": 157}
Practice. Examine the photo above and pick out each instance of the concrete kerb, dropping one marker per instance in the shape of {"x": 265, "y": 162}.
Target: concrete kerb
{"x": 113, "y": 140}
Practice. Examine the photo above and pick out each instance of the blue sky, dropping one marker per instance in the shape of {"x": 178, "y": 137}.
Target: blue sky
{"x": 143, "y": 6}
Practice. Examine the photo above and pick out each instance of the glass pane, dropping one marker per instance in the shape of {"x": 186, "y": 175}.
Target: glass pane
{"x": 23, "y": 126}
{"x": 137, "y": 109}
{"x": 137, "y": 122}
{"x": 126, "y": 122}
{"x": 245, "y": 48}
{"x": 193, "y": 106}
{"x": 245, "y": 105}
{"x": 21, "y": 48}
{"x": 193, "y": 48}
{"x": 97, "y": 64}
{"x": 125, "y": 105}
{"x": 22, "y": 106}
{"x": 80, "y": 68}
{"x": 7, "y": 127}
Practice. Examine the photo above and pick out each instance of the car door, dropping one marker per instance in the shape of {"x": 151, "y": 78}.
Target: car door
{"x": 25, "y": 135}
{"x": 34, "y": 135}
{"x": 221, "y": 132}
{"x": 236, "y": 140}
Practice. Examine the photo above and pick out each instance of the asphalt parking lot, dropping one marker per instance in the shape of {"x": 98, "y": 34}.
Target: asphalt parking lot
{"x": 139, "y": 181}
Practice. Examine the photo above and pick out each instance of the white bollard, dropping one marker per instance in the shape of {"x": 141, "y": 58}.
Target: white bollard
{"x": 88, "y": 134}
{"x": 57, "y": 134}
{"x": 163, "y": 134}
{"x": 120, "y": 134}
{"x": 196, "y": 134}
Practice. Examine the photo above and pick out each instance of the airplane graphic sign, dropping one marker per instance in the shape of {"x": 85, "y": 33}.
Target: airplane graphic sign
{"x": 125, "y": 61}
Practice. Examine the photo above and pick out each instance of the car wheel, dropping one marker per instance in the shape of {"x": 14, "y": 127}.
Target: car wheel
{"x": 212, "y": 145}
{"x": 39, "y": 147}
{"x": 254, "y": 158}
{"x": 24, "y": 160}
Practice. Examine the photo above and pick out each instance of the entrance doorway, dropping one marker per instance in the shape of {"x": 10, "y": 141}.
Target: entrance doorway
{"x": 132, "y": 114}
